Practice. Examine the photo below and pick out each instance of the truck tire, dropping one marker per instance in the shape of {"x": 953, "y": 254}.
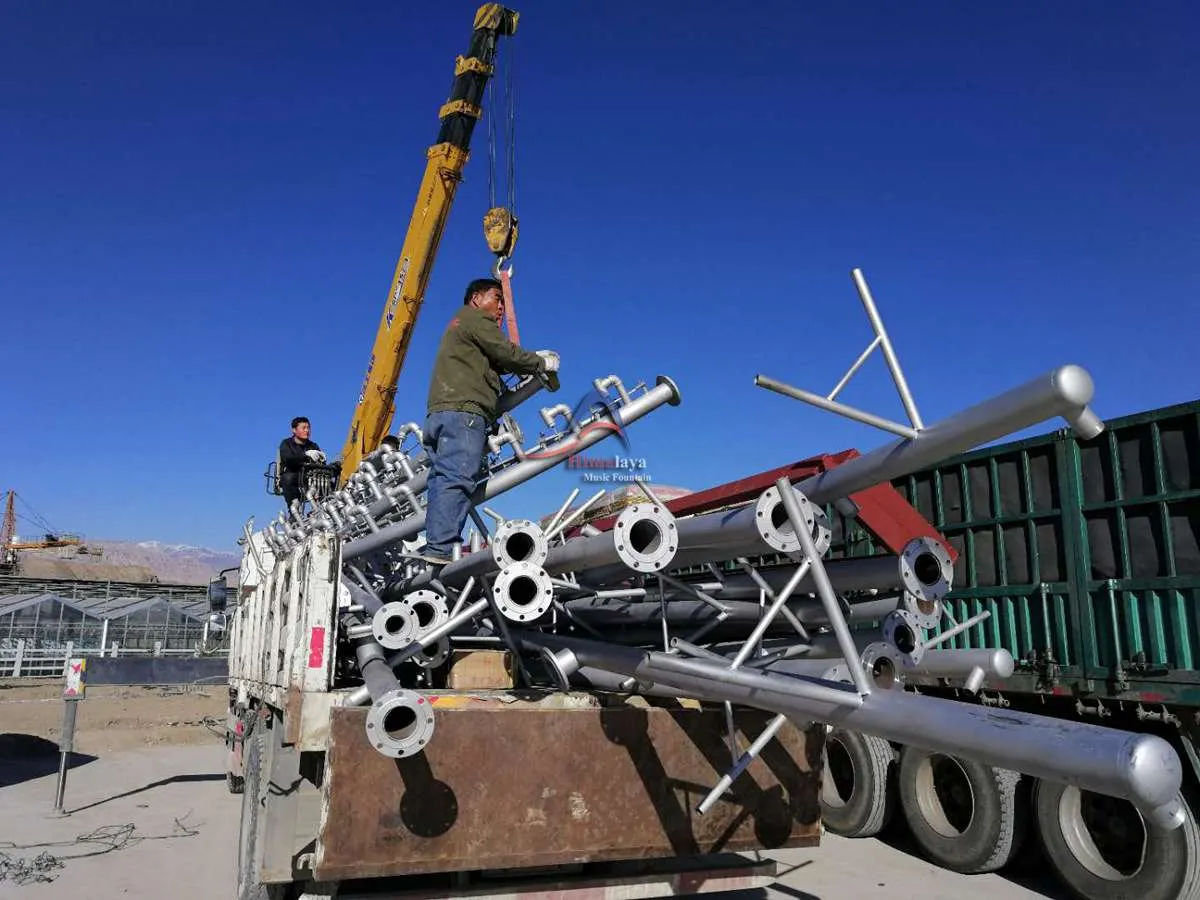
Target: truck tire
{"x": 965, "y": 816}
{"x": 1102, "y": 850}
{"x": 856, "y": 795}
{"x": 248, "y": 885}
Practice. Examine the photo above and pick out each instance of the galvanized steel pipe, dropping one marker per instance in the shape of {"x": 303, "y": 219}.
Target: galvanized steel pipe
{"x": 664, "y": 393}
{"x": 1065, "y": 392}
{"x": 1141, "y": 768}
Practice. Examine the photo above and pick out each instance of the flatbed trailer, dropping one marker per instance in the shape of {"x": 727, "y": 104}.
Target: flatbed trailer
{"x": 522, "y": 792}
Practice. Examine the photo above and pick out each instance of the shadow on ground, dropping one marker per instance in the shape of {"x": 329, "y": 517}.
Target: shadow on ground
{"x": 1028, "y": 870}
{"x": 24, "y": 757}
{"x": 775, "y": 892}
{"x": 162, "y": 782}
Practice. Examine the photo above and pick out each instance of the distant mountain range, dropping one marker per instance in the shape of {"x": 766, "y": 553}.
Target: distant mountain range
{"x": 130, "y": 561}
{"x": 172, "y": 563}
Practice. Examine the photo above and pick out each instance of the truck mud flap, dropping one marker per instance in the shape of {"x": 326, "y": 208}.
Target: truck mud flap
{"x": 540, "y": 783}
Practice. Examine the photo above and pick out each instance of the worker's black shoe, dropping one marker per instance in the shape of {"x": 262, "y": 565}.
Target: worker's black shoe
{"x": 434, "y": 559}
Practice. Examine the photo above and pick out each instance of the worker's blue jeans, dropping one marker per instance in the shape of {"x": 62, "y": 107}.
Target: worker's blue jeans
{"x": 456, "y": 443}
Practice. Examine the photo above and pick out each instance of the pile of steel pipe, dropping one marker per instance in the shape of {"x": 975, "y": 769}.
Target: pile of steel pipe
{"x": 1143, "y": 769}
{"x": 834, "y": 641}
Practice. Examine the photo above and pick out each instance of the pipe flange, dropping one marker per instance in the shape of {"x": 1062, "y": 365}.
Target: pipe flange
{"x": 882, "y": 664}
{"x": 926, "y": 569}
{"x": 902, "y": 632}
{"x": 927, "y": 613}
{"x": 561, "y": 665}
{"x": 822, "y": 533}
{"x": 435, "y": 656}
{"x": 394, "y": 625}
{"x": 646, "y": 537}
{"x": 523, "y": 593}
{"x": 519, "y": 540}
{"x": 775, "y": 527}
{"x": 428, "y": 610}
{"x": 400, "y": 724}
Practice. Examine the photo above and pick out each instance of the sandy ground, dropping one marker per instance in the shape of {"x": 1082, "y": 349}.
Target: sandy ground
{"x": 149, "y": 815}
{"x": 159, "y": 822}
{"x": 109, "y": 718}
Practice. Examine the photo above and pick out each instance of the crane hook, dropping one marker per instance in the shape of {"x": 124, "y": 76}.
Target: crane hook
{"x": 498, "y": 270}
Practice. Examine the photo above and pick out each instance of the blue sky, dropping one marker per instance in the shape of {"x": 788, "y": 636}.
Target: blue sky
{"x": 201, "y": 205}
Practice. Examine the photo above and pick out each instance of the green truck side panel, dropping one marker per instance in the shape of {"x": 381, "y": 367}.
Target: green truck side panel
{"x": 1087, "y": 553}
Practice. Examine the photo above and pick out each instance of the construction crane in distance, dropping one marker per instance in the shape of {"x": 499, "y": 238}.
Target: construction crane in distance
{"x": 446, "y": 160}
{"x": 9, "y": 545}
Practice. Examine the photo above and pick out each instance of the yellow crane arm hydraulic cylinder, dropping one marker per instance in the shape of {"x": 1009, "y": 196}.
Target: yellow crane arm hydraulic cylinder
{"x": 446, "y": 160}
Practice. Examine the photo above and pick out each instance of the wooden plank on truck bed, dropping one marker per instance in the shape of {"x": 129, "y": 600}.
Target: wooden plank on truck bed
{"x": 514, "y": 780}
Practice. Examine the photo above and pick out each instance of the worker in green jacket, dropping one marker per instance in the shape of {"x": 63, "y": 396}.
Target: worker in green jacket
{"x": 463, "y": 396}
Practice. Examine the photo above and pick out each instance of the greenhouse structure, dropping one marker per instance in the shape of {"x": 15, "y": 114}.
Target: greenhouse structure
{"x": 99, "y": 616}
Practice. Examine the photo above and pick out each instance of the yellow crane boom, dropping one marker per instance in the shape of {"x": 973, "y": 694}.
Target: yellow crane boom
{"x": 446, "y": 160}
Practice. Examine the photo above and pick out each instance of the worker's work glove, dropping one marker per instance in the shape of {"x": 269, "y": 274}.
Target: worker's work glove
{"x": 315, "y": 455}
{"x": 549, "y": 360}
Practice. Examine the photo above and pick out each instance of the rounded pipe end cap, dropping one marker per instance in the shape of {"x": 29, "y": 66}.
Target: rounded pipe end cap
{"x": 1074, "y": 384}
{"x": 1153, "y": 772}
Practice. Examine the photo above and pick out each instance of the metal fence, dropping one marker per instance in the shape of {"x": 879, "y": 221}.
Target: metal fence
{"x": 28, "y": 661}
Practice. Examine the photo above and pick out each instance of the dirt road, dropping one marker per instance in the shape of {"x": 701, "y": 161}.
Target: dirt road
{"x": 150, "y": 815}
{"x": 110, "y": 718}
{"x": 156, "y": 822}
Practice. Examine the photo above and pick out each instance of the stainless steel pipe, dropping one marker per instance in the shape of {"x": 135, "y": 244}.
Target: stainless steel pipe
{"x": 960, "y": 664}
{"x": 1065, "y": 392}
{"x": 753, "y": 530}
{"x": 923, "y": 569}
{"x": 1141, "y": 768}
{"x": 642, "y": 540}
{"x": 612, "y": 613}
{"x": 664, "y": 393}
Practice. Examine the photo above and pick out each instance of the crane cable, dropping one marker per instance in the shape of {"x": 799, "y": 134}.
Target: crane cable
{"x": 500, "y": 224}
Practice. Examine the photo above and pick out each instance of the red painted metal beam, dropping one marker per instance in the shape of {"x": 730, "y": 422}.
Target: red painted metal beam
{"x": 882, "y": 510}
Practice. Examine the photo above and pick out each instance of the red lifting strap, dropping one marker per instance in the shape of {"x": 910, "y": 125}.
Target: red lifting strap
{"x": 510, "y": 311}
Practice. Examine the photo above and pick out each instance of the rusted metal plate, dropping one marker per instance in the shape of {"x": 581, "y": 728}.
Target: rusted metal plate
{"x": 523, "y": 784}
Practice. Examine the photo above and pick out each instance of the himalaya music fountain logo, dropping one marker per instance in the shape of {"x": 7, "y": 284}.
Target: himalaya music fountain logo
{"x": 615, "y": 467}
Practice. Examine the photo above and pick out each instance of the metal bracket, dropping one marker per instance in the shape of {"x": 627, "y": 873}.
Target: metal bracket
{"x": 831, "y": 404}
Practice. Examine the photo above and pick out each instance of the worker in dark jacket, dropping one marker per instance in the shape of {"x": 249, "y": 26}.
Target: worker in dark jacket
{"x": 294, "y": 452}
{"x": 463, "y": 396}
